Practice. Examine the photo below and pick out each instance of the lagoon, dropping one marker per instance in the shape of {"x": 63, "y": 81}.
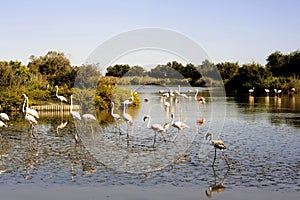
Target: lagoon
{"x": 261, "y": 135}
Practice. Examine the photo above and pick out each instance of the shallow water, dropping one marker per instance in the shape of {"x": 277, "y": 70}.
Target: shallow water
{"x": 261, "y": 135}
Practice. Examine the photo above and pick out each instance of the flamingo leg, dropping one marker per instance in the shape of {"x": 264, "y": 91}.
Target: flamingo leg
{"x": 176, "y": 136}
{"x": 215, "y": 157}
{"x": 226, "y": 160}
{"x": 154, "y": 140}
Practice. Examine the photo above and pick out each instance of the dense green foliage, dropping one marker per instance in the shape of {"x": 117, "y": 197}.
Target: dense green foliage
{"x": 39, "y": 78}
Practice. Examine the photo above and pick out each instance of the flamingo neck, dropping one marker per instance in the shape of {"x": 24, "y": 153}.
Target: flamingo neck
{"x": 112, "y": 109}
{"x": 57, "y": 91}
{"x": 172, "y": 121}
{"x": 71, "y": 106}
{"x": 124, "y": 108}
{"x": 196, "y": 94}
{"x": 23, "y": 108}
{"x": 148, "y": 124}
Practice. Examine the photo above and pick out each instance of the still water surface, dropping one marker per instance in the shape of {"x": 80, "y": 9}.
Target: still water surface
{"x": 261, "y": 135}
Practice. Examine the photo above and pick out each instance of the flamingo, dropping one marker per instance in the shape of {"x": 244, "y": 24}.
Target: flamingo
{"x": 217, "y": 144}
{"x": 130, "y": 99}
{"x": 127, "y": 118}
{"x": 156, "y": 128}
{"x": 2, "y": 124}
{"x": 167, "y": 104}
{"x": 267, "y": 91}
{"x": 31, "y": 120}
{"x": 199, "y": 98}
{"x": 115, "y": 115}
{"x": 179, "y": 125}
{"x": 76, "y": 116}
{"x": 61, "y": 98}
{"x": 28, "y": 110}
{"x": 4, "y": 116}
{"x": 251, "y": 91}
{"x": 88, "y": 117}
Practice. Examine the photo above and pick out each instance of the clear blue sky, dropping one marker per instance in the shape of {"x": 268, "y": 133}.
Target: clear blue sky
{"x": 237, "y": 31}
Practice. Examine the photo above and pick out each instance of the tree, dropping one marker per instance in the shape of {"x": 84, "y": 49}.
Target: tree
{"x": 275, "y": 63}
{"x": 87, "y": 77}
{"x": 227, "y": 70}
{"x": 248, "y": 76}
{"x": 284, "y": 65}
{"x": 117, "y": 70}
{"x": 136, "y": 71}
{"x": 55, "y": 66}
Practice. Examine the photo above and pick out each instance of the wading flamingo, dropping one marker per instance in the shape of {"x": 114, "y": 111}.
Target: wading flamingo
{"x": 61, "y": 98}
{"x": 156, "y": 128}
{"x": 217, "y": 144}
{"x": 179, "y": 125}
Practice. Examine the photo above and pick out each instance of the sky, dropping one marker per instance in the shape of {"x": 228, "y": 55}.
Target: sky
{"x": 231, "y": 30}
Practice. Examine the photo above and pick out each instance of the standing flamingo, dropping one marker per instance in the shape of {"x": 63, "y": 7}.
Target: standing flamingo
{"x": 127, "y": 118}
{"x": 61, "y": 98}
{"x": 4, "y": 117}
{"x": 88, "y": 117}
{"x": 251, "y": 91}
{"x": 28, "y": 110}
{"x": 217, "y": 144}
{"x": 156, "y": 128}
{"x": 115, "y": 115}
{"x": 199, "y": 98}
{"x": 2, "y": 124}
{"x": 30, "y": 115}
{"x": 179, "y": 125}
{"x": 32, "y": 122}
{"x": 76, "y": 116}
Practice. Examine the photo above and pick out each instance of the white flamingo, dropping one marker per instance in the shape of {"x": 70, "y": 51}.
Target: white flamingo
{"x": 130, "y": 99}
{"x": 127, "y": 118}
{"x": 251, "y": 91}
{"x": 115, "y": 115}
{"x": 156, "y": 128}
{"x": 27, "y": 110}
{"x": 76, "y": 116}
{"x": 179, "y": 125}
{"x": 88, "y": 117}
{"x": 2, "y": 124}
{"x": 167, "y": 104}
{"x": 199, "y": 98}
{"x": 217, "y": 144}
{"x": 32, "y": 122}
{"x": 61, "y": 98}
{"x": 4, "y": 116}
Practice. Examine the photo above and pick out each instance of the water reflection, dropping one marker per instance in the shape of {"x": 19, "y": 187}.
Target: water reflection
{"x": 282, "y": 108}
{"x": 217, "y": 186}
{"x": 262, "y": 147}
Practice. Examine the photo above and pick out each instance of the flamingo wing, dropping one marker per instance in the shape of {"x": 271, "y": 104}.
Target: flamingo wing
{"x": 4, "y": 116}
{"x": 75, "y": 115}
{"x": 89, "y": 117}
{"x": 218, "y": 144}
{"x": 2, "y": 124}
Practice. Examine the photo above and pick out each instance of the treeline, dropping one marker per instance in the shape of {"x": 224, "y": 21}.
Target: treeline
{"x": 282, "y": 71}
{"x": 39, "y": 77}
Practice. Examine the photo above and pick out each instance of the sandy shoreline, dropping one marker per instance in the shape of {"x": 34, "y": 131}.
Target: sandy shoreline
{"x": 164, "y": 192}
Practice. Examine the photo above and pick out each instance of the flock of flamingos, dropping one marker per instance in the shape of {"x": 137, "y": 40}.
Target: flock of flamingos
{"x": 32, "y": 116}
